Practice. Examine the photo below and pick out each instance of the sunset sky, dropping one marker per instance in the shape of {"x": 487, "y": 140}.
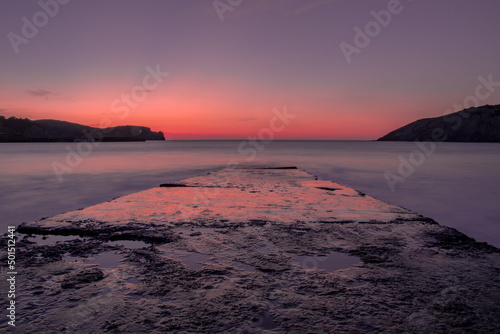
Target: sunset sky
{"x": 226, "y": 76}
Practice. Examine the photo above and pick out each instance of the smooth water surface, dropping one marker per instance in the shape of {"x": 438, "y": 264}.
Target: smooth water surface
{"x": 458, "y": 185}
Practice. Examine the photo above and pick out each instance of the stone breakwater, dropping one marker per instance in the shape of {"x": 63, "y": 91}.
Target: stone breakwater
{"x": 252, "y": 251}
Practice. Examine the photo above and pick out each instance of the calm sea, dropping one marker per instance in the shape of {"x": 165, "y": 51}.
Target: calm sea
{"x": 458, "y": 185}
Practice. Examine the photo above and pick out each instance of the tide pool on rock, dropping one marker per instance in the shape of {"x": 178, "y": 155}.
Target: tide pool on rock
{"x": 254, "y": 250}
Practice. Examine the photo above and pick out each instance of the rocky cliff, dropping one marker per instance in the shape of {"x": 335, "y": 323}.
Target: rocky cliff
{"x": 24, "y": 130}
{"x": 477, "y": 124}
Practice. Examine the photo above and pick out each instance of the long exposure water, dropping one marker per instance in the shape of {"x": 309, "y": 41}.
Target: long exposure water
{"x": 458, "y": 185}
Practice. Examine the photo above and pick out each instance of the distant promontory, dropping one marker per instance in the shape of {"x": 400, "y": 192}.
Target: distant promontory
{"x": 14, "y": 129}
{"x": 476, "y": 124}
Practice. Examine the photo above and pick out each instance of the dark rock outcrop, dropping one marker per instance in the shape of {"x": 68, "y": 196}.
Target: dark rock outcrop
{"x": 24, "y": 130}
{"x": 477, "y": 124}
{"x": 296, "y": 259}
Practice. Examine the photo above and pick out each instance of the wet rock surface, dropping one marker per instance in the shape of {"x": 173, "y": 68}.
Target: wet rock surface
{"x": 253, "y": 251}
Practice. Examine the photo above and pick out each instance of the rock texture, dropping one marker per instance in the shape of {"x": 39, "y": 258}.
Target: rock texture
{"x": 481, "y": 124}
{"x": 24, "y": 130}
{"x": 253, "y": 251}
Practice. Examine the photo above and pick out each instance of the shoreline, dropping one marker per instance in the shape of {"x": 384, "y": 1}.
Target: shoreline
{"x": 467, "y": 205}
{"x": 255, "y": 250}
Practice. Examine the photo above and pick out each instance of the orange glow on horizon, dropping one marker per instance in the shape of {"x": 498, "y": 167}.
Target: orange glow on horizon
{"x": 194, "y": 107}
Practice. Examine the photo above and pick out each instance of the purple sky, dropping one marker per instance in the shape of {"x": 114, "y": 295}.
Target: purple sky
{"x": 225, "y": 77}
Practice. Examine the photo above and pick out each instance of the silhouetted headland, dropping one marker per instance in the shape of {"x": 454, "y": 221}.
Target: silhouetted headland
{"x": 477, "y": 124}
{"x": 14, "y": 129}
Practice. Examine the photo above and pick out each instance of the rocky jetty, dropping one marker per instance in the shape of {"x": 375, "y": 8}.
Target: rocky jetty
{"x": 481, "y": 124}
{"x": 252, "y": 251}
{"x": 24, "y": 130}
